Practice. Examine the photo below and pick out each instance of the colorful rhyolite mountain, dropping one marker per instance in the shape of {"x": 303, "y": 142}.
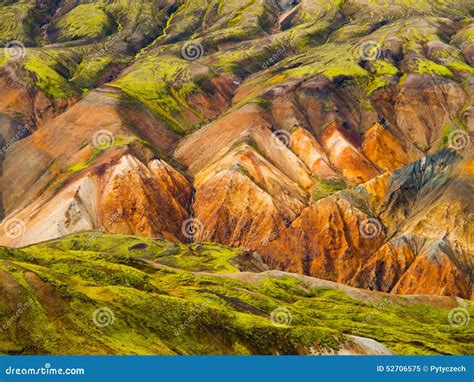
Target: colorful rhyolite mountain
{"x": 328, "y": 139}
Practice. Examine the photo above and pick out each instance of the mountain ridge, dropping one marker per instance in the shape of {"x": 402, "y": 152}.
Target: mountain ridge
{"x": 313, "y": 133}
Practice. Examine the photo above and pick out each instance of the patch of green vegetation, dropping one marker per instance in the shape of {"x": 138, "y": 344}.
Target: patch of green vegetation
{"x": 352, "y": 70}
{"x": 94, "y": 66}
{"x": 78, "y": 167}
{"x": 237, "y": 20}
{"x": 203, "y": 257}
{"x": 200, "y": 257}
{"x": 378, "y": 83}
{"x": 444, "y": 61}
{"x": 157, "y": 302}
{"x": 326, "y": 187}
{"x": 423, "y": 66}
{"x": 460, "y": 67}
{"x": 47, "y": 71}
{"x": 332, "y": 59}
{"x": 384, "y": 74}
{"x": 262, "y": 102}
{"x": 382, "y": 67}
{"x": 60, "y": 77}
{"x": 350, "y": 31}
{"x": 162, "y": 83}
{"x": 3, "y": 59}
{"x": 446, "y": 130}
{"x": 15, "y": 21}
{"x": 84, "y": 21}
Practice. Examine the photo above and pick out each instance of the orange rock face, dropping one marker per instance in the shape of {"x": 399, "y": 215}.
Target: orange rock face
{"x": 434, "y": 273}
{"x": 311, "y": 153}
{"x": 345, "y": 156}
{"x": 327, "y": 241}
{"x": 383, "y": 269}
{"x": 382, "y": 149}
{"x": 240, "y": 218}
{"x": 243, "y": 199}
{"x": 48, "y": 155}
{"x": 120, "y": 196}
{"x": 145, "y": 201}
{"x": 420, "y": 243}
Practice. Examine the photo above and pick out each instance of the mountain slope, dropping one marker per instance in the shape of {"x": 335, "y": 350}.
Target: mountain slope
{"x": 334, "y": 138}
{"x": 403, "y": 232}
{"x": 103, "y": 294}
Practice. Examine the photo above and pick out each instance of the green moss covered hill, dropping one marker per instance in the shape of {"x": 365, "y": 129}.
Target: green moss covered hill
{"x": 155, "y": 297}
{"x": 72, "y": 49}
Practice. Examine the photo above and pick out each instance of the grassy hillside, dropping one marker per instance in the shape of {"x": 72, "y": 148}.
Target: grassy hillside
{"x": 104, "y": 294}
